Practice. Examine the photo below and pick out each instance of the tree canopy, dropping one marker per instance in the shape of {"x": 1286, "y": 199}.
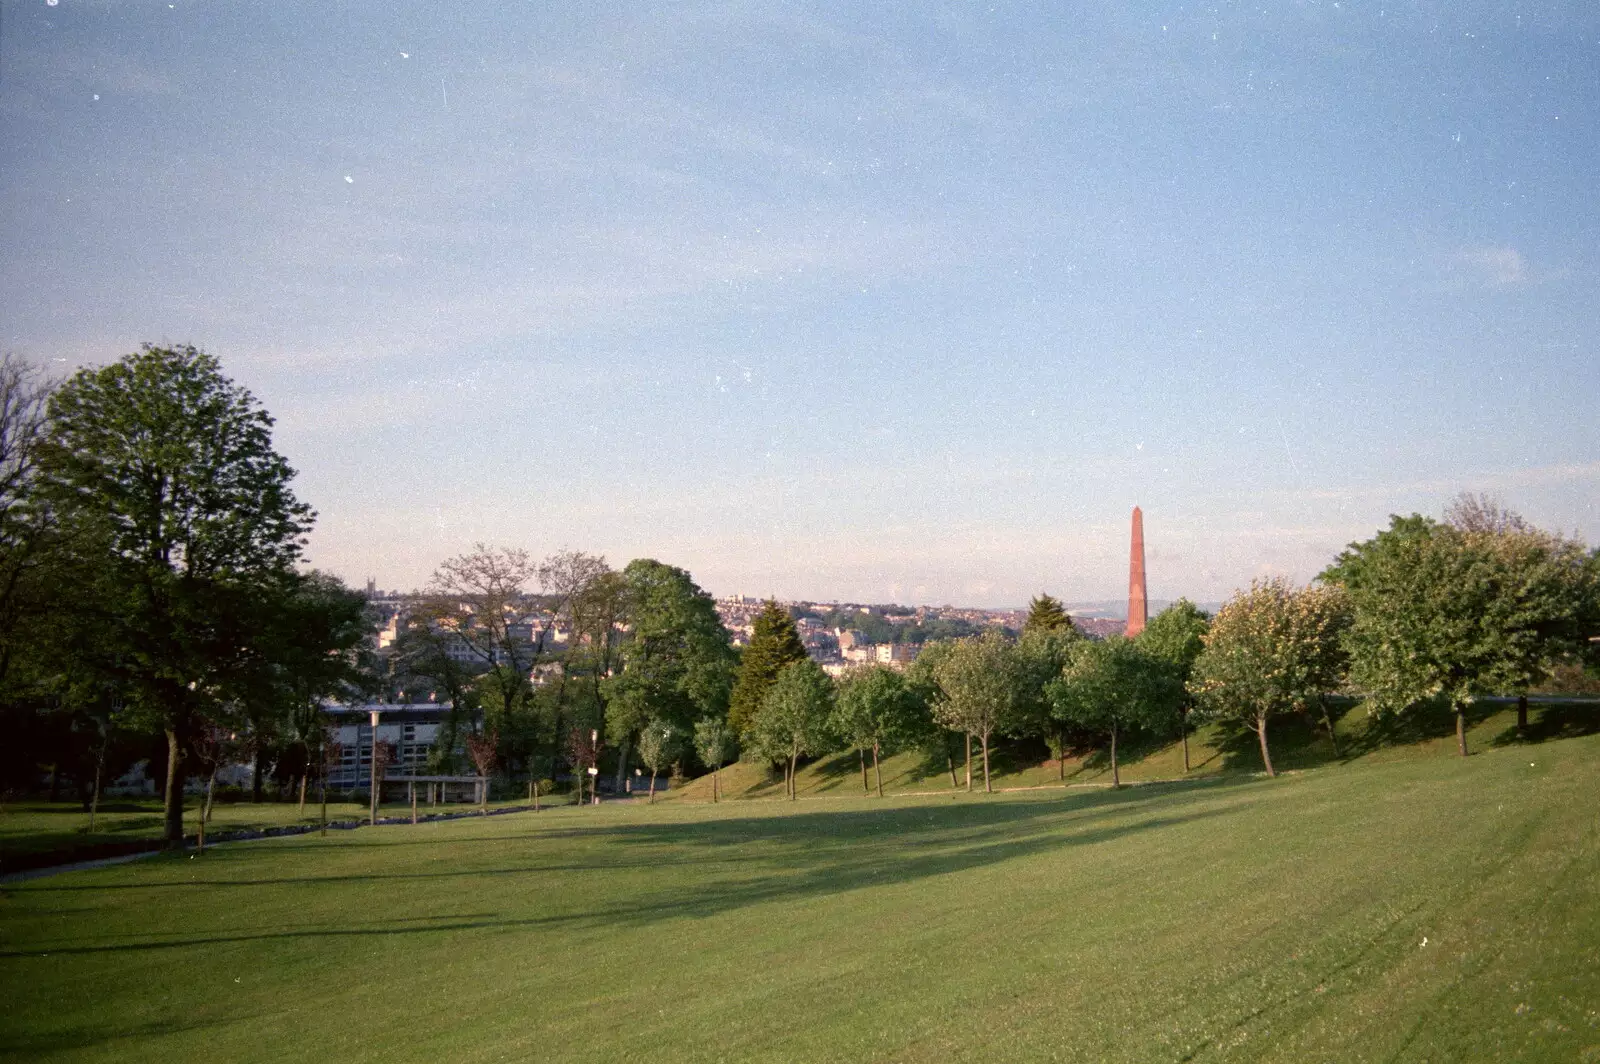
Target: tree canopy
{"x": 979, "y": 683}
{"x": 1454, "y": 611}
{"x": 1270, "y": 650}
{"x": 163, "y": 477}
{"x": 1114, "y": 686}
{"x": 774, "y": 645}
{"x": 1046, "y": 614}
{"x": 677, "y": 659}
{"x": 793, "y": 720}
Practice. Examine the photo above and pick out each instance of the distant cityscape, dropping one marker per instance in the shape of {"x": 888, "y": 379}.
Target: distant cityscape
{"x": 837, "y": 635}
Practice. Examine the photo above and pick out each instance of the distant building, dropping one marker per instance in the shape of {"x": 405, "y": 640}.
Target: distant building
{"x": 412, "y": 727}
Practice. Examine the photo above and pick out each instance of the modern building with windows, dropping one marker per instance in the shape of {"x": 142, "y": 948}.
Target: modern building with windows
{"x": 412, "y": 727}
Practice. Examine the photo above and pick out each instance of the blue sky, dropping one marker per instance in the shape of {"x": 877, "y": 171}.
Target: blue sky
{"x": 908, "y": 302}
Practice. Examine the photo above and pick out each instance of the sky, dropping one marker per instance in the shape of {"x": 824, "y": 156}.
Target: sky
{"x": 902, "y": 302}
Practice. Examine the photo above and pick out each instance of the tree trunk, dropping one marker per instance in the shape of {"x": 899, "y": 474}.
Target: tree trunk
{"x": 1183, "y": 730}
{"x": 322, "y": 793}
{"x": 211, "y": 786}
{"x": 984, "y": 738}
{"x": 1522, "y": 714}
{"x": 861, "y": 755}
{"x": 255, "y": 778}
{"x": 793, "y": 759}
{"x": 200, "y": 833}
{"x": 877, "y": 768}
{"x": 950, "y": 762}
{"x": 94, "y": 801}
{"x": 652, "y": 800}
{"x": 969, "y": 762}
{"x": 1461, "y": 728}
{"x": 1266, "y": 755}
{"x": 55, "y": 781}
{"x": 1327, "y": 720}
{"x": 714, "y": 774}
{"x": 1116, "y": 780}
{"x": 1061, "y": 756}
{"x": 173, "y": 810}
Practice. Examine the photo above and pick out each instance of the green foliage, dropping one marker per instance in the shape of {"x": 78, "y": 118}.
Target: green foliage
{"x": 660, "y": 744}
{"x": 793, "y": 720}
{"x": 1177, "y": 634}
{"x": 181, "y": 523}
{"x": 1270, "y": 650}
{"x": 714, "y": 742}
{"x": 1041, "y": 654}
{"x": 1451, "y": 612}
{"x": 677, "y": 660}
{"x": 980, "y": 681}
{"x": 1114, "y": 686}
{"x": 1046, "y": 614}
{"x": 876, "y": 711}
{"x": 774, "y": 644}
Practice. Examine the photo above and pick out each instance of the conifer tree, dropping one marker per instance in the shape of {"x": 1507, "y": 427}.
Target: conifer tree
{"x": 1045, "y": 613}
{"x": 773, "y": 644}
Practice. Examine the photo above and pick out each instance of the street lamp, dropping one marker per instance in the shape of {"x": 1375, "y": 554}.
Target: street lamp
{"x": 374, "y": 795}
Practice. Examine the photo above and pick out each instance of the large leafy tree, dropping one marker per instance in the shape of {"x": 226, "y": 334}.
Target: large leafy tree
{"x": 677, "y": 659}
{"x": 774, "y": 645}
{"x": 587, "y": 596}
{"x": 162, "y": 475}
{"x": 313, "y": 643}
{"x": 979, "y": 682}
{"x": 922, "y": 682}
{"x": 1270, "y": 650}
{"x": 876, "y": 711}
{"x": 1041, "y": 654}
{"x": 1177, "y": 635}
{"x": 1114, "y": 686}
{"x": 793, "y": 720}
{"x": 478, "y": 602}
{"x": 1484, "y": 605}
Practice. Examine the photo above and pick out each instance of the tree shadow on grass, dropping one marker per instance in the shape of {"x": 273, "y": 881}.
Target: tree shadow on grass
{"x": 1424, "y": 722}
{"x": 82, "y": 1036}
{"x": 1552, "y": 720}
{"x": 810, "y": 852}
{"x": 835, "y": 771}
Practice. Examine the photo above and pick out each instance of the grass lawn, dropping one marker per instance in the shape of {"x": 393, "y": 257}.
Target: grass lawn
{"x": 61, "y": 829}
{"x": 1431, "y": 908}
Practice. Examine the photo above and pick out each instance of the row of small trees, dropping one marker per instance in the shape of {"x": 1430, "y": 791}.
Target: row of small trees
{"x": 1427, "y": 611}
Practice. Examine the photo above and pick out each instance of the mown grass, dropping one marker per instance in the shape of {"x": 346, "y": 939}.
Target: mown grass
{"x": 33, "y": 829}
{"x": 1424, "y": 909}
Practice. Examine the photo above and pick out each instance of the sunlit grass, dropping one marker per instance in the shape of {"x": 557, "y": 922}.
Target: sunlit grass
{"x": 1434, "y": 908}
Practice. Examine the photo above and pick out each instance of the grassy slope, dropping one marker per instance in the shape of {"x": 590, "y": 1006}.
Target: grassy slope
{"x": 1440, "y": 908}
{"x": 1295, "y": 745}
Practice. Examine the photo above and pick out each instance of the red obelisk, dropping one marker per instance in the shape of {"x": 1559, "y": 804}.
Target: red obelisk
{"x": 1138, "y": 605}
